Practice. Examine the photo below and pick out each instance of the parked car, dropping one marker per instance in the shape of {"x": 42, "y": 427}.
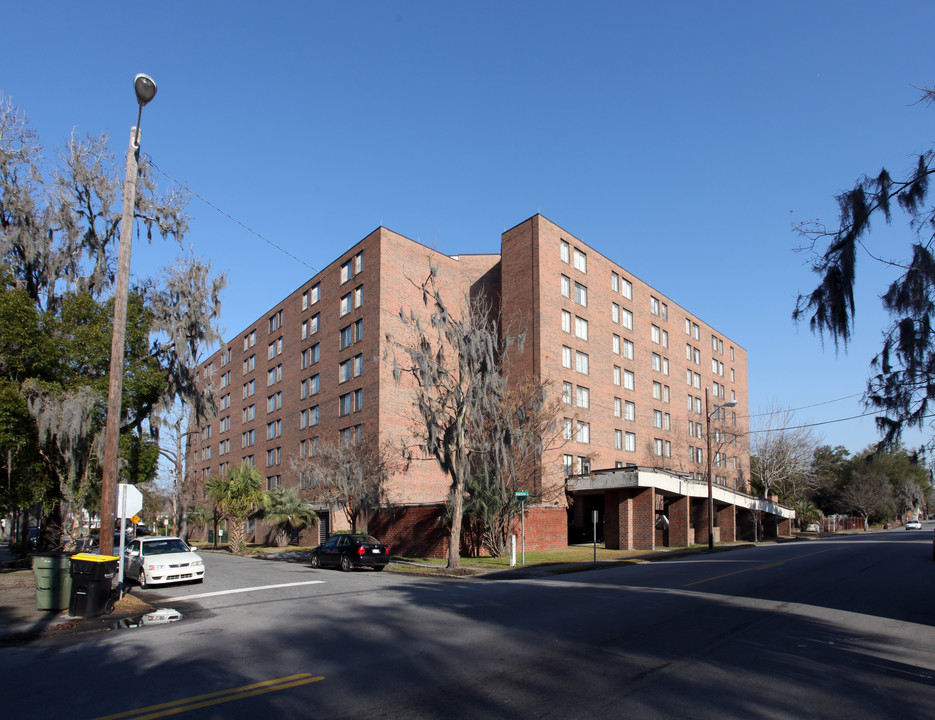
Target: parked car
{"x": 158, "y": 560}
{"x": 348, "y": 551}
{"x": 913, "y": 525}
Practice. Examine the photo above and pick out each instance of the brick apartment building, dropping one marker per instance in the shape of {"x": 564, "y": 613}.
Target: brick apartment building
{"x": 632, "y": 367}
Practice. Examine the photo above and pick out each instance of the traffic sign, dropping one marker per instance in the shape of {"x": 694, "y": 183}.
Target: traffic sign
{"x": 129, "y": 501}
{"x": 522, "y": 495}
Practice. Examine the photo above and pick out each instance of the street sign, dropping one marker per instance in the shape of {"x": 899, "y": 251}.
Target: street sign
{"x": 129, "y": 501}
{"x": 521, "y": 495}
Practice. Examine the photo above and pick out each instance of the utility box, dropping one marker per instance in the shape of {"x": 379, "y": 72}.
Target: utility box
{"x": 91, "y": 577}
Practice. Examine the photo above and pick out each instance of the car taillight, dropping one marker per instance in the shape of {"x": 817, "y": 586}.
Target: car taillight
{"x": 360, "y": 550}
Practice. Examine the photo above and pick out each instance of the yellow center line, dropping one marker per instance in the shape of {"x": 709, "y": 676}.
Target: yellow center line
{"x": 215, "y": 698}
{"x": 762, "y": 567}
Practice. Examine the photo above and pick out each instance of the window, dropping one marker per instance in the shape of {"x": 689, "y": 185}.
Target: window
{"x": 656, "y": 335}
{"x": 358, "y": 296}
{"x": 273, "y": 429}
{"x": 352, "y": 367}
{"x": 617, "y": 374}
{"x": 273, "y": 481}
{"x": 697, "y": 356}
{"x": 224, "y": 447}
{"x": 347, "y": 335}
{"x": 566, "y": 428}
{"x": 225, "y": 401}
{"x": 626, "y": 289}
{"x": 583, "y": 434}
{"x": 630, "y": 442}
{"x": 350, "y": 402}
{"x": 314, "y": 322}
{"x": 249, "y": 388}
{"x": 696, "y": 380}
{"x": 566, "y": 287}
{"x": 581, "y": 294}
{"x": 581, "y": 328}
{"x": 581, "y": 260}
{"x": 206, "y": 452}
{"x": 359, "y": 263}
{"x": 616, "y": 344}
{"x": 347, "y": 271}
{"x": 696, "y": 331}
{"x": 225, "y": 379}
{"x": 581, "y": 362}
{"x": 628, "y": 349}
{"x": 583, "y": 397}
{"x": 665, "y": 338}
{"x": 654, "y": 305}
{"x": 308, "y": 387}
{"x": 225, "y": 424}
{"x": 247, "y": 438}
{"x": 566, "y": 356}
{"x": 657, "y": 391}
{"x": 618, "y": 439}
{"x": 275, "y": 321}
{"x": 618, "y": 407}
{"x": 657, "y": 447}
{"x": 346, "y": 304}
{"x": 665, "y": 366}
{"x": 274, "y": 349}
{"x": 626, "y": 318}
{"x": 584, "y": 465}
{"x": 732, "y": 353}
{"x": 615, "y": 312}
{"x": 657, "y": 418}
{"x": 568, "y": 462}
{"x": 249, "y": 413}
{"x": 714, "y": 343}
{"x": 628, "y": 380}
{"x": 568, "y": 391}
{"x": 564, "y": 251}
{"x": 614, "y": 282}
{"x": 249, "y": 365}
{"x": 310, "y": 416}
{"x": 566, "y": 321}
{"x": 249, "y": 340}
{"x": 688, "y": 326}
{"x": 657, "y": 362}
{"x": 629, "y": 411}
{"x": 310, "y": 355}
{"x": 274, "y": 375}
{"x": 274, "y": 402}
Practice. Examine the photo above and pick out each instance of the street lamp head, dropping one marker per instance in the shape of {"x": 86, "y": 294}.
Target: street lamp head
{"x": 729, "y": 403}
{"x": 145, "y": 88}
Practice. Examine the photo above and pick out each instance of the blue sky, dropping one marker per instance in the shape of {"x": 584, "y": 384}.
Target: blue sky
{"x": 680, "y": 139}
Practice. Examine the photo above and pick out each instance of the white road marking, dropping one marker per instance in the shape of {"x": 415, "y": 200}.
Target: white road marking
{"x": 249, "y": 589}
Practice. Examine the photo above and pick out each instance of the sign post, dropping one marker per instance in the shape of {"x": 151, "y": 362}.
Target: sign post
{"x": 129, "y": 503}
{"x": 522, "y": 497}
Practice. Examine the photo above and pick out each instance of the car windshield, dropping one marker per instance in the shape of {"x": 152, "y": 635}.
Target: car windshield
{"x": 366, "y": 540}
{"x": 163, "y": 547}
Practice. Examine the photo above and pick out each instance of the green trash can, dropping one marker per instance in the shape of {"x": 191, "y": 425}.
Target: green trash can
{"x": 53, "y": 580}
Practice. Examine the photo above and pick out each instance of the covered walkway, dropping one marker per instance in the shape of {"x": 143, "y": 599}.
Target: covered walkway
{"x": 646, "y": 508}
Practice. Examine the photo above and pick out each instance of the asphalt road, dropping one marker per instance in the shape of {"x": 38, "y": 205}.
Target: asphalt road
{"x": 839, "y": 628}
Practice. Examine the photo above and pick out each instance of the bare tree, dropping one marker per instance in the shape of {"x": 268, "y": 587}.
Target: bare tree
{"x": 456, "y": 361}
{"x": 782, "y": 457}
{"x": 867, "y": 493}
{"x": 351, "y": 476}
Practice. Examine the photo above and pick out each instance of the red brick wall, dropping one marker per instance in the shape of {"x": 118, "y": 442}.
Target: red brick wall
{"x": 412, "y": 531}
{"x": 727, "y": 523}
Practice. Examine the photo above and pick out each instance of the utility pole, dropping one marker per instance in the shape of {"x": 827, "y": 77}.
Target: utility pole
{"x": 145, "y": 91}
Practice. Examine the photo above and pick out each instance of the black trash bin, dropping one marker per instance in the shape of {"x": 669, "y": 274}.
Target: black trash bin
{"x": 91, "y": 576}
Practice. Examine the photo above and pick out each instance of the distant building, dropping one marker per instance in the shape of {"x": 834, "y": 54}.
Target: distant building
{"x": 632, "y": 366}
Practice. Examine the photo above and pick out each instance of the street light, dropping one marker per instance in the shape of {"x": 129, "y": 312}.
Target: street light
{"x": 729, "y": 403}
{"x": 145, "y": 88}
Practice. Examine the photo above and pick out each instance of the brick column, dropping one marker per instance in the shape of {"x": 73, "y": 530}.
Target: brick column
{"x": 700, "y": 520}
{"x": 727, "y": 523}
{"x": 614, "y": 508}
{"x": 678, "y": 521}
{"x": 785, "y": 527}
{"x": 643, "y": 529}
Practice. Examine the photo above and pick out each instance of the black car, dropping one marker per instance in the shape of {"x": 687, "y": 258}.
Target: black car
{"x": 348, "y": 551}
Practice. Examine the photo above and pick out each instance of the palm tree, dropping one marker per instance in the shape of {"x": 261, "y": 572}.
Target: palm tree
{"x": 288, "y": 512}
{"x": 238, "y": 494}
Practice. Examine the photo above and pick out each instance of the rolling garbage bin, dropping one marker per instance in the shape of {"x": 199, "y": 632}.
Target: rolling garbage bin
{"x": 53, "y": 581}
{"x": 91, "y": 576}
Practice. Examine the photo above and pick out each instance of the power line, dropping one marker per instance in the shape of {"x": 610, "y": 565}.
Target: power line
{"x": 246, "y": 227}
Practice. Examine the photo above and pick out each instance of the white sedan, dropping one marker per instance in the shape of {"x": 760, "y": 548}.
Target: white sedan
{"x": 160, "y": 560}
{"x": 913, "y": 525}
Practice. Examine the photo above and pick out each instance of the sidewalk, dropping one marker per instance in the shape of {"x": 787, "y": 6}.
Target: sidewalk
{"x": 21, "y": 622}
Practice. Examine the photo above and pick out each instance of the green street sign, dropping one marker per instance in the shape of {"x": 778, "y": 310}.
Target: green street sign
{"x": 521, "y": 495}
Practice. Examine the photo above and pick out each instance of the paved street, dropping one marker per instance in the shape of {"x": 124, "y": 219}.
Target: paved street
{"x": 838, "y": 628}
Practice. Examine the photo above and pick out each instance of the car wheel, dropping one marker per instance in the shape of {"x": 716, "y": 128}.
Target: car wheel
{"x": 199, "y": 580}
{"x": 141, "y": 579}
{"x": 109, "y": 606}
{"x": 315, "y": 560}
{"x": 346, "y": 563}
{"x": 379, "y": 568}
